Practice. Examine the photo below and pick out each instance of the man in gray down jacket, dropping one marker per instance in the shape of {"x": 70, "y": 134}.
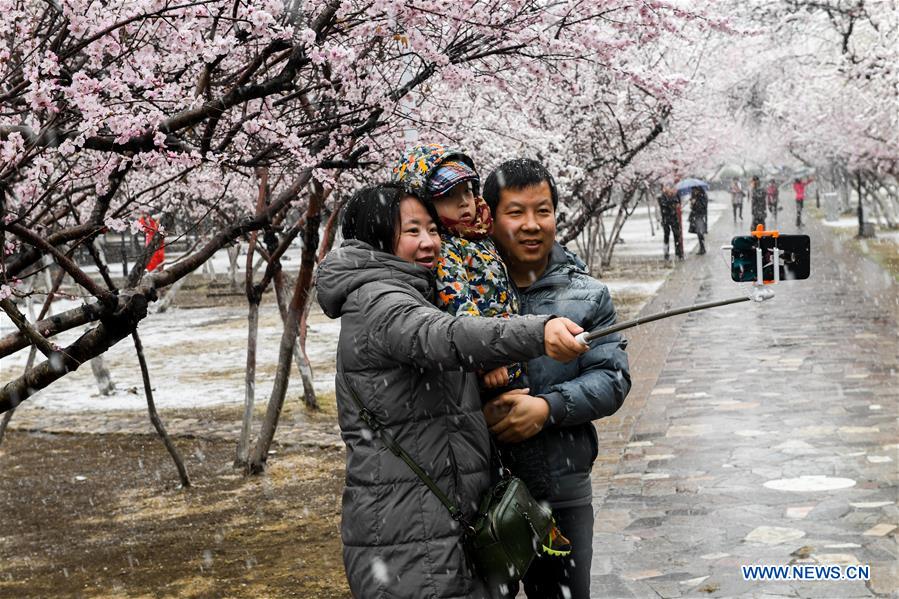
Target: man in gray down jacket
{"x": 563, "y": 400}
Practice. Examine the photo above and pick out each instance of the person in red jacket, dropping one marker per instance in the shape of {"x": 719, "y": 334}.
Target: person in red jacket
{"x": 151, "y": 228}
{"x": 799, "y": 190}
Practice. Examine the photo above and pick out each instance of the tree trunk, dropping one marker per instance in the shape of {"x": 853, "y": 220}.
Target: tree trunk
{"x": 279, "y": 389}
{"x": 45, "y": 310}
{"x": 154, "y": 416}
{"x": 169, "y": 298}
{"x": 124, "y": 249}
{"x": 254, "y": 296}
{"x": 105, "y": 383}
{"x": 844, "y": 189}
{"x": 209, "y": 269}
{"x": 233, "y": 255}
{"x": 594, "y": 240}
{"x": 330, "y": 230}
{"x": 884, "y": 216}
{"x": 620, "y": 217}
{"x": 282, "y": 281}
{"x": 861, "y": 206}
{"x": 243, "y": 444}
{"x": 305, "y": 367}
{"x": 289, "y": 337}
{"x": 47, "y": 262}
{"x": 99, "y": 244}
{"x": 5, "y": 423}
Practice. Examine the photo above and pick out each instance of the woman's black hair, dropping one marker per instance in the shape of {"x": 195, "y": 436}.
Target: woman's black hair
{"x": 373, "y": 215}
{"x": 517, "y": 174}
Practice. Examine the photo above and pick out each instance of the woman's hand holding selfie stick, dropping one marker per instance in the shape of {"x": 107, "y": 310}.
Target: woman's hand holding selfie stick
{"x": 560, "y": 341}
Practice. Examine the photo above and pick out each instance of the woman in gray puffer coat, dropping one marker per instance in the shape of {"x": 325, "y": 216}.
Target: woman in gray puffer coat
{"x": 413, "y": 365}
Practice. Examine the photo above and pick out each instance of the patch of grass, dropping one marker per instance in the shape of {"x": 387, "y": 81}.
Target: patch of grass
{"x": 882, "y": 251}
{"x": 628, "y": 304}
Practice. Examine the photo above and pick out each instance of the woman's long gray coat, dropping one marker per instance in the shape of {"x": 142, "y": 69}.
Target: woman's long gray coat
{"x": 411, "y": 365}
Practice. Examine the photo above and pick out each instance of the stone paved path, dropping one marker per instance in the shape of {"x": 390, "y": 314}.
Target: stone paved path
{"x": 726, "y": 402}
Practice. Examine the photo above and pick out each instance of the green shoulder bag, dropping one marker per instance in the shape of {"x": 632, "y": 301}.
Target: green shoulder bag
{"x": 505, "y": 534}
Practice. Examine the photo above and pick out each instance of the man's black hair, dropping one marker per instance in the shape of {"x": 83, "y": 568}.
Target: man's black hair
{"x": 517, "y": 174}
{"x": 373, "y": 215}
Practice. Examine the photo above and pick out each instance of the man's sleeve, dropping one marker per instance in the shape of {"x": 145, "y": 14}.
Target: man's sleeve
{"x": 603, "y": 381}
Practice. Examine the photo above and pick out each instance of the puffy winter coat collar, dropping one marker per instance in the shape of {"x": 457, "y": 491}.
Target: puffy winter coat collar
{"x": 356, "y": 263}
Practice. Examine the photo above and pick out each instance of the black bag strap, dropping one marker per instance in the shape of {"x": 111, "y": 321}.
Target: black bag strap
{"x": 376, "y": 426}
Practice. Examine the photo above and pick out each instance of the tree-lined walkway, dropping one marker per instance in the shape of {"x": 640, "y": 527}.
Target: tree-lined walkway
{"x": 756, "y": 434}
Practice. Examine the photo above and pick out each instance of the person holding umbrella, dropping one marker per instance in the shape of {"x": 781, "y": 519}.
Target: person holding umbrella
{"x": 699, "y": 215}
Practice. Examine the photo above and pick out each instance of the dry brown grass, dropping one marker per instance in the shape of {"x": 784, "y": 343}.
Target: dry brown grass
{"x": 128, "y": 531}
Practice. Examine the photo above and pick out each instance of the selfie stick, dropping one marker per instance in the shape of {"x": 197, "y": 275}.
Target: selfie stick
{"x": 760, "y": 293}
{"x": 587, "y": 337}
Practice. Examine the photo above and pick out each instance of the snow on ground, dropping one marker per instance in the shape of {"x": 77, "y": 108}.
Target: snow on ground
{"x": 846, "y": 222}
{"x": 850, "y": 224}
{"x": 197, "y": 357}
{"x": 647, "y": 288}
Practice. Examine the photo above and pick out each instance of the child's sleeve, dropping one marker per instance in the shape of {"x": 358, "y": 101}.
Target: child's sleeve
{"x": 453, "y": 280}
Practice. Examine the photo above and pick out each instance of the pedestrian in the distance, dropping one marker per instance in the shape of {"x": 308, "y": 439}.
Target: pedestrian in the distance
{"x": 736, "y": 198}
{"x": 151, "y": 228}
{"x": 799, "y": 190}
{"x": 670, "y": 215}
{"x": 757, "y": 202}
{"x": 699, "y": 216}
{"x": 772, "y": 197}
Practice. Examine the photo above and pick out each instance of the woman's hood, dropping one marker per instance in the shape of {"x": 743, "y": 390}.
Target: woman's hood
{"x": 355, "y": 264}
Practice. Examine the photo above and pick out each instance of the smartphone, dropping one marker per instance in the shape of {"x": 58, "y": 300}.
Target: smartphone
{"x": 795, "y": 257}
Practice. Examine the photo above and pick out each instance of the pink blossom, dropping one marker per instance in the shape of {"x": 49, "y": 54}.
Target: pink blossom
{"x": 11, "y": 148}
{"x": 116, "y": 224}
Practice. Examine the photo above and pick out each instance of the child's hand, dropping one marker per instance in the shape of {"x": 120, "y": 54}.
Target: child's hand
{"x": 496, "y": 378}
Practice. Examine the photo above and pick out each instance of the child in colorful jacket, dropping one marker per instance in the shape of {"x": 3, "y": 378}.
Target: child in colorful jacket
{"x": 471, "y": 276}
{"x": 472, "y": 279}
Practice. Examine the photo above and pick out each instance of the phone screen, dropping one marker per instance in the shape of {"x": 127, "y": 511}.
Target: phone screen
{"x": 795, "y": 257}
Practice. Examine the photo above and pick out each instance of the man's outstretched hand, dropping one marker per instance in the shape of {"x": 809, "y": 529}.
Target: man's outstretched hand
{"x": 515, "y": 416}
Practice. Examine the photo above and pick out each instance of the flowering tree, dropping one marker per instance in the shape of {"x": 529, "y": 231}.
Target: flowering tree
{"x": 814, "y": 84}
{"x": 589, "y": 121}
{"x": 114, "y": 109}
